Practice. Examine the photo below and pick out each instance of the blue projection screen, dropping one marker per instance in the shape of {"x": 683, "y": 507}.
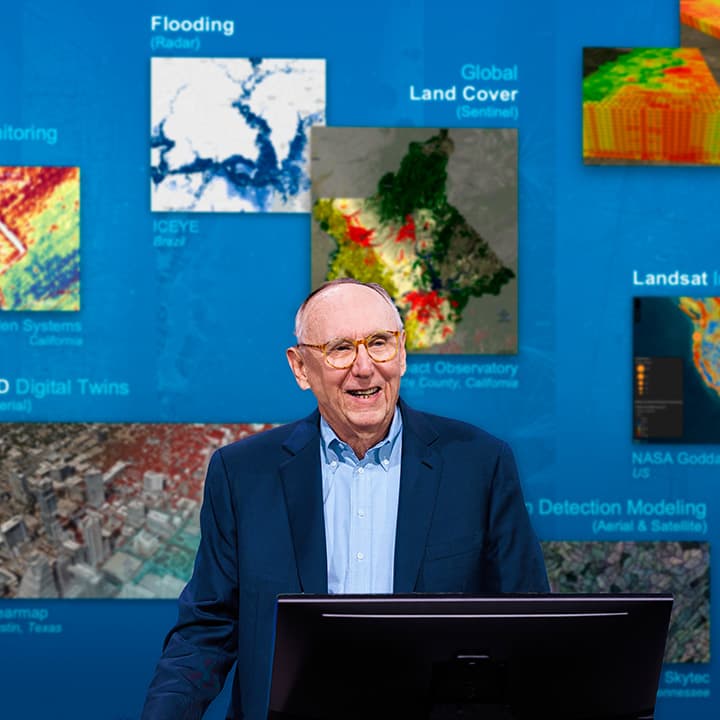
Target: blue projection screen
{"x": 175, "y": 180}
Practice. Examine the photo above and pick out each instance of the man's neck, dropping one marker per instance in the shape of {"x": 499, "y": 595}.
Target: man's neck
{"x": 361, "y": 442}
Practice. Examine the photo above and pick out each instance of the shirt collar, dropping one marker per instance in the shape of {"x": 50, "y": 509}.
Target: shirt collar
{"x": 334, "y": 450}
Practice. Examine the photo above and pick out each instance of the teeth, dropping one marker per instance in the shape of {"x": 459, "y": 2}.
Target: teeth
{"x": 364, "y": 393}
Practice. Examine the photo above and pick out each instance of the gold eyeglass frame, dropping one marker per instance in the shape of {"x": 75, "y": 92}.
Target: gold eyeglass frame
{"x": 356, "y": 343}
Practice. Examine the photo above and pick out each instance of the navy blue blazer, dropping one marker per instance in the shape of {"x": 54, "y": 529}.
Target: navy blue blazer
{"x": 462, "y": 527}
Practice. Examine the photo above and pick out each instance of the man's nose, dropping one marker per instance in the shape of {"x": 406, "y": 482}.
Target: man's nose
{"x": 363, "y": 364}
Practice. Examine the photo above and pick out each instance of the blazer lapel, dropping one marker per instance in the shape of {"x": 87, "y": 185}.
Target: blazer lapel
{"x": 419, "y": 482}
{"x": 302, "y": 483}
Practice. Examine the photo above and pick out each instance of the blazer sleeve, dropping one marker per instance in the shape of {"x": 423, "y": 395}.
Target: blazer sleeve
{"x": 513, "y": 558}
{"x": 202, "y": 646}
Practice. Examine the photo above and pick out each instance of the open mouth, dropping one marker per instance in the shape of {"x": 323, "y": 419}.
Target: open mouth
{"x": 367, "y": 392}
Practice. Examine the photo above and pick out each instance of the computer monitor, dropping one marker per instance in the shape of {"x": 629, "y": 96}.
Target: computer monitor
{"x": 448, "y": 656}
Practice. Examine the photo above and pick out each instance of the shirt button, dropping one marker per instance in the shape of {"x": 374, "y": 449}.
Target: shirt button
{"x": 360, "y": 556}
{"x": 361, "y": 513}
{"x": 360, "y": 471}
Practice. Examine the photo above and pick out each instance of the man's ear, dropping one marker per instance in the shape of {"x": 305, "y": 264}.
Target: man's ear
{"x": 297, "y": 365}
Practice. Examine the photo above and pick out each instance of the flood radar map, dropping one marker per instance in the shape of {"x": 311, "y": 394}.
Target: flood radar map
{"x": 431, "y": 215}
{"x": 676, "y": 369}
{"x": 231, "y": 134}
{"x": 39, "y": 238}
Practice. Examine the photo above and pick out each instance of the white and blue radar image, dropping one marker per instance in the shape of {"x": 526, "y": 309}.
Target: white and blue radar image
{"x": 232, "y": 134}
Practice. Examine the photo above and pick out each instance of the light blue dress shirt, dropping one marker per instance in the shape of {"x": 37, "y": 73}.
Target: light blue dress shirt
{"x": 360, "y": 504}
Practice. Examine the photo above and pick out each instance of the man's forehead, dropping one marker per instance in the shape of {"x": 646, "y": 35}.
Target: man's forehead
{"x": 345, "y": 309}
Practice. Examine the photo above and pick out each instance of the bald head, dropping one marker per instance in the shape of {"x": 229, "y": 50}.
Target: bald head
{"x": 329, "y": 292}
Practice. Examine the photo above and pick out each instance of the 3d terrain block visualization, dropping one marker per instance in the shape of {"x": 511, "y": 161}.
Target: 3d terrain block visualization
{"x": 703, "y": 15}
{"x": 655, "y": 105}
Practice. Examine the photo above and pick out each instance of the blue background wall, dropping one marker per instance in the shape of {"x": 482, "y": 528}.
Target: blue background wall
{"x": 199, "y": 331}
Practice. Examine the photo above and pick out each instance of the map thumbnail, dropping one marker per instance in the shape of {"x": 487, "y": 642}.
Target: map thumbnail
{"x": 97, "y": 510}
{"x": 431, "y": 215}
{"x": 680, "y": 568}
{"x": 676, "y": 366}
{"x": 231, "y": 134}
{"x": 650, "y": 106}
{"x": 39, "y": 238}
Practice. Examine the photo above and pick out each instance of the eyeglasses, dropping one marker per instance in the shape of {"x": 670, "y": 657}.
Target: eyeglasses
{"x": 340, "y": 353}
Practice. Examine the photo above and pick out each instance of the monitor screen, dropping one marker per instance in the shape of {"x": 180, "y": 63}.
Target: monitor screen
{"x": 450, "y": 656}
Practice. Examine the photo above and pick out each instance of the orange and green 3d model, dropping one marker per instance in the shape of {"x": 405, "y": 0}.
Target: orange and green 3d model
{"x": 39, "y": 238}
{"x": 703, "y": 15}
{"x": 658, "y": 105}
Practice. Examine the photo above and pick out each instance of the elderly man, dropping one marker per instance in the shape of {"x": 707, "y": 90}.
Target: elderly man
{"x": 366, "y": 495}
